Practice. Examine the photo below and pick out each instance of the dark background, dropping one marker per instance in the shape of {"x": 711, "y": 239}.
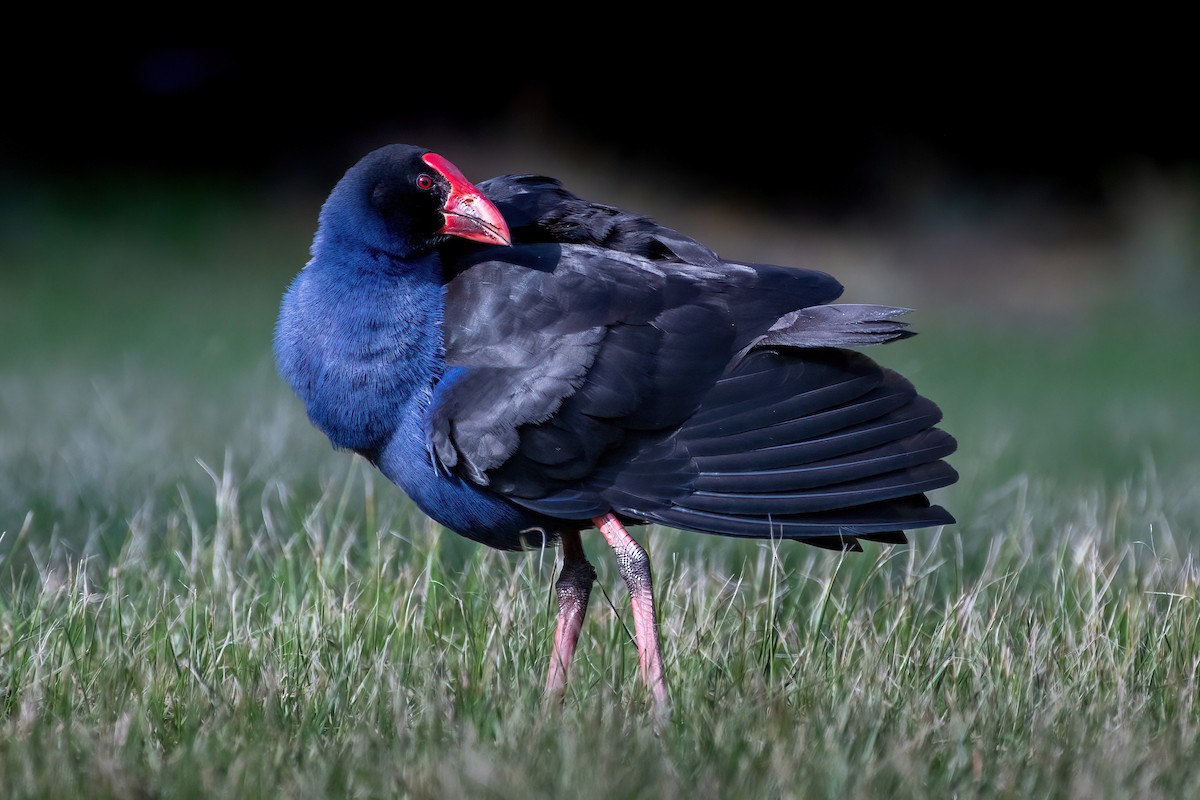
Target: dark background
{"x": 832, "y": 132}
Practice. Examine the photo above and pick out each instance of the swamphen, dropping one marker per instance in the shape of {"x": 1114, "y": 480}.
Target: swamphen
{"x": 527, "y": 365}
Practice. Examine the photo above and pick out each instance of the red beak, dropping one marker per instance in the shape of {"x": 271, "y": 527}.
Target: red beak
{"x": 468, "y": 213}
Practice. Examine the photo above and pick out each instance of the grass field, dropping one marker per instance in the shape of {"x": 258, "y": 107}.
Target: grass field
{"x": 198, "y": 598}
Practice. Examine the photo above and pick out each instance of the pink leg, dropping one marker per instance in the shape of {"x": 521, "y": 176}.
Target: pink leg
{"x": 574, "y": 587}
{"x": 634, "y": 566}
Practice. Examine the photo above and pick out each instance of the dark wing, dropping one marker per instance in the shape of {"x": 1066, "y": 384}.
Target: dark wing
{"x": 821, "y": 445}
{"x": 609, "y": 363}
{"x": 633, "y": 344}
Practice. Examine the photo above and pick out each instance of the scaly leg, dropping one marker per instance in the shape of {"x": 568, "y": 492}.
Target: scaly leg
{"x": 574, "y": 587}
{"x": 634, "y": 566}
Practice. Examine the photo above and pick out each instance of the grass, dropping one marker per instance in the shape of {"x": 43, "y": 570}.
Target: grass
{"x": 199, "y": 599}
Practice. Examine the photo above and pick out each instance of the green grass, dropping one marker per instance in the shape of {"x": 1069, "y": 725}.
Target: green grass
{"x": 199, "y": 599}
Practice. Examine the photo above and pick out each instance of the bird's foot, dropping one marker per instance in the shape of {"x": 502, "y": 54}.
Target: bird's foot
{"x": 574, "y": 588}
{"x": 634, "y": 566}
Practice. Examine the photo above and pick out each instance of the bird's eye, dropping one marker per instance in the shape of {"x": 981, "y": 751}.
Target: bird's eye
{"x": 424, "y": 181}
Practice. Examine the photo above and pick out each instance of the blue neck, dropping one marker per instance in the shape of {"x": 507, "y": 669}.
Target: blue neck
{"x": 361, "y": 342}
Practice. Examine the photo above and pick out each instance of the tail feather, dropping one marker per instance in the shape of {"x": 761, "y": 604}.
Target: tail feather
{"x": 838, "y": 325}
{"x": 749, "y": 415}
{"x": 765, "y": 386}
{"x": 911, "y": 451}
{"x": 883, "y": 520}
{"x": 860, "y": 491}
{"x": 920, "y": 415}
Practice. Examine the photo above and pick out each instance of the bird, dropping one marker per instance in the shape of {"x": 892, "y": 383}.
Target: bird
{"x": 528, "y": 366}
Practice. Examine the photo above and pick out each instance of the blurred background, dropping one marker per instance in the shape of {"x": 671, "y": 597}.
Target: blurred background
{"x": 1041, "y": 213}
